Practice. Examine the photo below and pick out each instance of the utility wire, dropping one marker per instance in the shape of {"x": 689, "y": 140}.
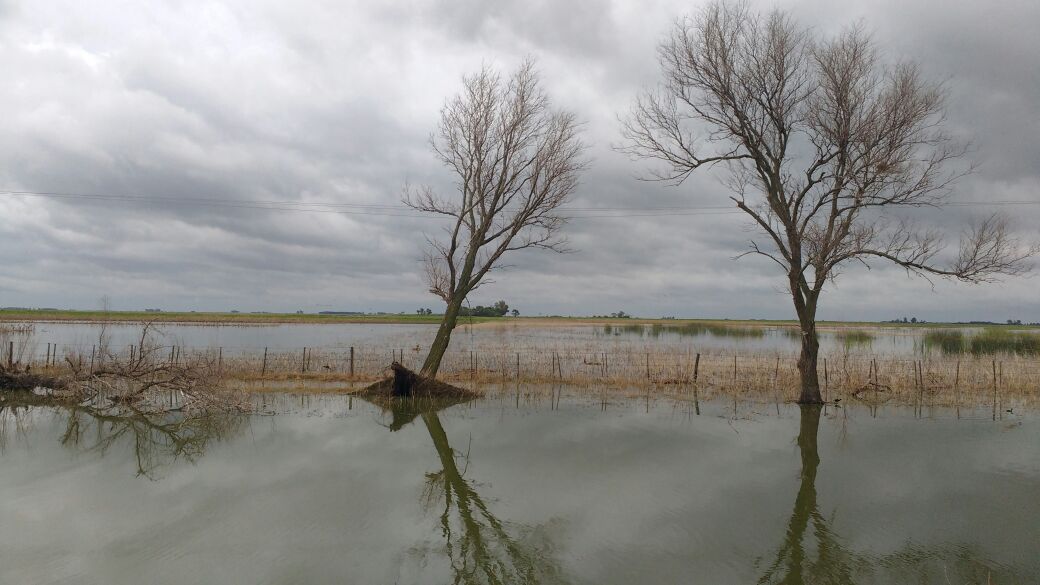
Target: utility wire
{"x": 401, "y": 210}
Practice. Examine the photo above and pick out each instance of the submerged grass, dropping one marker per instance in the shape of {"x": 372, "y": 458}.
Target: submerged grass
{"x": 947, "y": 378}
{"x": 993, "y": 341}
{"x": 944, "y": 380}
{"x": 713, "y": 329}
{"x": 948, "y": 342}
{"x": 854, "y": 337}
{"x": 987, "y": 342}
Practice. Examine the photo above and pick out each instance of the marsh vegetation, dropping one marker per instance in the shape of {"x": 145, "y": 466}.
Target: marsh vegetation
{"x": 986, "y": 342}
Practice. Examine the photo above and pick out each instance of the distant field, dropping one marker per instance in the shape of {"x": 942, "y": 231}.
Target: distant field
{"x": 404, "y": 318}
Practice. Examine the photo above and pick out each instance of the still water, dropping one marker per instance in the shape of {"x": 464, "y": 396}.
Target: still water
{"x": 240, "y": 339}
{"x": 511, "y": 490}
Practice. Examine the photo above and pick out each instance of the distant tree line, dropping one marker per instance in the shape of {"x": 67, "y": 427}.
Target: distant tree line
{"x": 618, "y": 315}
{"x": 499, "y": 309}
{"x": 916, "y": 320}
{"x": 905, "y": 320}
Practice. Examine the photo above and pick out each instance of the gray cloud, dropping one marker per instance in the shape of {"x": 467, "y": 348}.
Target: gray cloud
{"x": 334, "y": 103}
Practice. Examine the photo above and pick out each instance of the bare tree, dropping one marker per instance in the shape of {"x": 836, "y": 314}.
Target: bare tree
{"x": 824, "y": 143}
{"x": 515, "y": 160}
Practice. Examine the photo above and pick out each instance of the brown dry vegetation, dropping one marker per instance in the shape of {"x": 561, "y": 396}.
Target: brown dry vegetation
{"x": 936, "y": 380}
{"x": 206, "y": 376}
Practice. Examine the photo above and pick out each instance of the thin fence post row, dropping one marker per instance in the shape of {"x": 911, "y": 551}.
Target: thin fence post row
{"x": 663, "y": 365}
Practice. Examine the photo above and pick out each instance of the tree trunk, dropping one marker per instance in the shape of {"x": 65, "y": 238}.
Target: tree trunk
{"x": 807, "y": 362}
{"x": 440, "y": 343}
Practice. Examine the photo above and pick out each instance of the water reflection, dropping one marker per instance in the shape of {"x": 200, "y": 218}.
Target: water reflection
{"x": 794, "y": 563}
{"x": 480, "y": 547}
{"x": 154, "y": 438}
{"x": 322, "y": 493}
{"x": 820, "y": 556}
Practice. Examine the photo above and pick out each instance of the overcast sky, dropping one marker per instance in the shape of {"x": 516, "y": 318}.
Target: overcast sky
{"x": 333, "y": 102}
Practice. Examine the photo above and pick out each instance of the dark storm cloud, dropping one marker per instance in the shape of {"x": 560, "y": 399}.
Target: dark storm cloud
{"x": 326, "y": 102}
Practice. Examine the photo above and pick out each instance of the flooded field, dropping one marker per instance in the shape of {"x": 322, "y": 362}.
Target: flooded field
{"x": 240, "y": 339}
{"x": 936, "y": 366}
{"x": 522, "y": 489}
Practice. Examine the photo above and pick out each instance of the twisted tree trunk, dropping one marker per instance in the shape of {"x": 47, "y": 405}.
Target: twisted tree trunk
{"x": 441, "y": 341}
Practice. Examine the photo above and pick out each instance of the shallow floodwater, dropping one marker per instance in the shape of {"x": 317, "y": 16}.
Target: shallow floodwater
{"x": 333, "y": 489}
{"x": 242, "y": 339}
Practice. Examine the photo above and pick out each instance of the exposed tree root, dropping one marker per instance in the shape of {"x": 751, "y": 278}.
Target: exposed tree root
{"x": 405, "y": 383}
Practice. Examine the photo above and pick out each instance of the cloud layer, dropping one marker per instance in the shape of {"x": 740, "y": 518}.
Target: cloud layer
{"x": 320, "y": 102}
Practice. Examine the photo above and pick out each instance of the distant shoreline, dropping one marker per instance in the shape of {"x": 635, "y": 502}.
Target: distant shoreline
{"x": 214, "y": 318}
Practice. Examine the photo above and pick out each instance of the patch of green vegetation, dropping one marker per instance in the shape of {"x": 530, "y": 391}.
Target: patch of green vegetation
{"x": 713, "y": 329}
{"x": 989, "y": 341}
{"x": 947, "y": 341}
{"x": 628, "y": 328}
{"x": 854, "y": 337}
{"x": 993, "y": 341}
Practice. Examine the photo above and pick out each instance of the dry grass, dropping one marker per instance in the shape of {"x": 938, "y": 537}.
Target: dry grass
{"x": 852, "y": 375}
{"x": 935, "y": 380}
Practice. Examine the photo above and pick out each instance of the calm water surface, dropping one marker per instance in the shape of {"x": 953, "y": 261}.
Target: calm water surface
{"x": 252, "y": 339}
{"x": 332, "y": 489}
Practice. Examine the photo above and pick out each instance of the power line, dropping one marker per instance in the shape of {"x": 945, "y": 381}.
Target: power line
{"x": 400, "y": 210}
{"x": 358, "y": 208}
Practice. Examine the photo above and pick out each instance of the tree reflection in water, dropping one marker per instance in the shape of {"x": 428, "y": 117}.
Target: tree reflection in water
{"x": 155, "y": 438}
{"x": 821, "y": 557}
{"x": 480, "y": 547}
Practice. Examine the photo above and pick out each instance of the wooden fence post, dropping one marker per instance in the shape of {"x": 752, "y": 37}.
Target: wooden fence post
{"x": 91, "y": 360}
{"x": 696, "y": 367}
{"x": 263, "y": 368}
{"x": 994, "y": 389}
{"x": 352, "y": 361}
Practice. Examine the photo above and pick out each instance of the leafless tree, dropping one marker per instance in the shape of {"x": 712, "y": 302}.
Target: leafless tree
{"x": 516, "y": 160}
{"x": 824, "y": 143}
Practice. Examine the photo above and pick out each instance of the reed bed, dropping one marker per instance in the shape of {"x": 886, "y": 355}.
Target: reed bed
{"x": 986, "y": 342}
{"x": 851, "y": 337}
